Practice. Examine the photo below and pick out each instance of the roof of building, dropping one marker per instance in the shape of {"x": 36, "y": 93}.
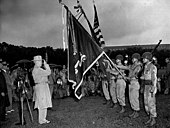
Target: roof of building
{"x": 151, "y": 46}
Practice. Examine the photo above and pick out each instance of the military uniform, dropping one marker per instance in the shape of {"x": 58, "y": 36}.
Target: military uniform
{"x": 150, "y": 81}
{"x": 134, "y": 85}
{"x": 105, "y": 83}
{"x": 120, "y": 85}
{"x": 113, "y": 89}
{"x": 167, "y": 74}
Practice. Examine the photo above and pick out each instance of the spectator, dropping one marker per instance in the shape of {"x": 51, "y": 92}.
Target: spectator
{"x": 167, "y": 76}
{"x": 52, "y": 81}
{"x": 4, "y": 101}
{"x": 63, "y": 74}
{"x": 10, "y": 86}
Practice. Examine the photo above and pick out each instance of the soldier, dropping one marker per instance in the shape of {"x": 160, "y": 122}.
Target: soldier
{"x": 150, "y": 80}
{"x": 112, "y": 90}
{"x": 121, "y": 85}
{"x": 155, "y": 62}
{"x": 134, "y": 86}
{"x": 105, "y": 83}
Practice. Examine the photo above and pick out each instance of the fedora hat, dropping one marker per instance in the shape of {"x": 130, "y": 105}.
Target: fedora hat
{"x": 4, "y": 63}
{"x": 37, "y": 58}
{"x": 0, "y": 60}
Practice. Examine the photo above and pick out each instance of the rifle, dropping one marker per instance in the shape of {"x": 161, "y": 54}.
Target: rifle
{"x": 156, "y": 47}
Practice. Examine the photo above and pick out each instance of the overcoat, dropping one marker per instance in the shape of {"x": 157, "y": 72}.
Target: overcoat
{"x": 4, "y": 100}
{"x": 42, "y": 92}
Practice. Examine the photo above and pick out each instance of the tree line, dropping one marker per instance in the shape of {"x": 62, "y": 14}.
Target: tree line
{"x": 12, "y": 53}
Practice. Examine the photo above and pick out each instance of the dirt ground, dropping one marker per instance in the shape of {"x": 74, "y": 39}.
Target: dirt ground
{"x": 90, "y": 112}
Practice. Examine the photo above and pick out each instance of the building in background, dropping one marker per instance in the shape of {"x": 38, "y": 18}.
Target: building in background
{"x": 115, "y": 48}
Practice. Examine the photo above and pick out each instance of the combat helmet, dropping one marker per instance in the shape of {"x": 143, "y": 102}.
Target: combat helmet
{"x": 136, "y": 55}
{"x": 147, "y": 55}
{"x": 120, "y": 57}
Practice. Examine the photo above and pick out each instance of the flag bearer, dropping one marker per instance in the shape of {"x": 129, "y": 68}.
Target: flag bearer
{"x": 121, "y": 85}
{"x": 113, "y": 94}
{"x": 134, "y": 86}
{"x": 105, "y": 76}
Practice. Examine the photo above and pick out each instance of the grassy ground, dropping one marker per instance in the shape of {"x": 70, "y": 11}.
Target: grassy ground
{"x": 89, "y": 112}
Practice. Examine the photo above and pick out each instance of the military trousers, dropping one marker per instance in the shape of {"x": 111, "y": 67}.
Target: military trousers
{"x": 105, "y": 87}
{"x": 113, "y": 90}
{"x": 120, "y": 90}
{"x": 149, "y": 101}
{"x": 134, "y": 94}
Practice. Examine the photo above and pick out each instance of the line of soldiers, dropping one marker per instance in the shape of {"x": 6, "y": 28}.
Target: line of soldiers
{"x": 114, "y": 89}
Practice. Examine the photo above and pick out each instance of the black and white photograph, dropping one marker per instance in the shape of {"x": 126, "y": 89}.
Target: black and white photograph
{"x": 84, "y": 63}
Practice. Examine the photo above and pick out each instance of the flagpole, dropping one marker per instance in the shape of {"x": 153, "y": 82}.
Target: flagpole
{"x": 114, "y": 66}
{"x": 92, "y": 35}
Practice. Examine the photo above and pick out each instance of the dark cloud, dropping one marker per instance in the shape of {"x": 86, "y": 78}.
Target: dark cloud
{"x": 36, "y": 22}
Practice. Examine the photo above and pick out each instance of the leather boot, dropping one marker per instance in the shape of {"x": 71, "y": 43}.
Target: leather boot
{"x": 153, "y": 121}
{"x": 114, "y": 105}
{"x": 109, "y": 102}
{"x": 147, "y": 122}
{"x": 136, "y": 114}
{"x": 105, "y": 102}
{"x": 131, "y": 115}
{"x": 122, "y": 109}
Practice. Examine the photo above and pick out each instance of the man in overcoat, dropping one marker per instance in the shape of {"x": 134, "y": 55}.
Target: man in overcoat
{"x": 42, "y": 91}
{"x": 4, "y": 100}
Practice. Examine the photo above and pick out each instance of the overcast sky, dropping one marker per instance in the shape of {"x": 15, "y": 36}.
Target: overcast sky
{"x": 38, "y": 23}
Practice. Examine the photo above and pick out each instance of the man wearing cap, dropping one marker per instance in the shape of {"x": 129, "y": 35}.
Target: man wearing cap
{"x": 134, "y": 86}
{"x": 105, "y": 83}
{"x": 150, "y": 81}
{"x": 121, "y": 85}
{"x": 4, "y": 101}
{"x": 42, "y": 91}
{"x": 113, "y": 74}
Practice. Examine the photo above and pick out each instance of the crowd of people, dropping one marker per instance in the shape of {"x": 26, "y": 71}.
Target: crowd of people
{"x": 21, "y": 82}
{"x": 43, "y": 83}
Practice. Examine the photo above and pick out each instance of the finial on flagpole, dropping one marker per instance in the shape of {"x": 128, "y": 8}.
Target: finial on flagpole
{"x": 61, "y": 2}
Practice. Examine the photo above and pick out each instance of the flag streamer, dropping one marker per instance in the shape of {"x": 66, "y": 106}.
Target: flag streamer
{"x": 96, "y": 28}
{"x": 87, "y": 52}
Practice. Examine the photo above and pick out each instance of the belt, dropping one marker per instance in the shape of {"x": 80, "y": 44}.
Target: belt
{"x": 133, "y": 79}
{"x": 147, "y": 82}
{"x": 42, "y": 83}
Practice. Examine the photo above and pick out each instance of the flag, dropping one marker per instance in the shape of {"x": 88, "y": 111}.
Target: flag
{"x": 83, "y": 52}
{"x": 46, "y": 56}
{"x": 97, "y": 30}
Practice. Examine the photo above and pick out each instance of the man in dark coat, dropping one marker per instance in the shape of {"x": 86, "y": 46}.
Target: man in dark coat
{"x": 4, "y": 101}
